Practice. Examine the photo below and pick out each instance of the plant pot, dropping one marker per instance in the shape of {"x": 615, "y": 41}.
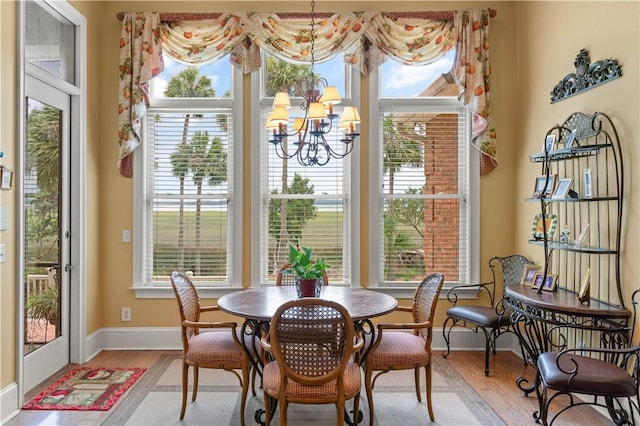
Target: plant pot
{"x": 308, "y": 287}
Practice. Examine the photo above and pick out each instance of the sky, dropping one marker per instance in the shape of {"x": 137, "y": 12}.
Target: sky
{"x": 397, "y": 79}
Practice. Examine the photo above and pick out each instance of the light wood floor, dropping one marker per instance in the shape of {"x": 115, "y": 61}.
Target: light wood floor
{"x": 498, "y": 390}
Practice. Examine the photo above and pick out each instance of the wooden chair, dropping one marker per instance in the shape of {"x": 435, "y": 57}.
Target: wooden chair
{"x": 607, "y": 373}
{"x": 286, "y": 278}
{"x": 311, "y": 365}
{"x": 490, "y": 318}
{"x": 399, "y": 350}
{"x": 218, "y": 349}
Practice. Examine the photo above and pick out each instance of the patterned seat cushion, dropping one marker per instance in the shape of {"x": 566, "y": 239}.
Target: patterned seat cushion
{"x": 327, "y": 391}
{"x": 214, "y": 350}
{"x": 400, "y": 350}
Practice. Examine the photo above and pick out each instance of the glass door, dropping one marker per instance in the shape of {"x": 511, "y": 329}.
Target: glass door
{"x": 47, "y": 262}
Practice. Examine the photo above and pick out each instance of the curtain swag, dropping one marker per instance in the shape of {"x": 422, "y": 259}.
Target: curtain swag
{"x": 365, "y": 38}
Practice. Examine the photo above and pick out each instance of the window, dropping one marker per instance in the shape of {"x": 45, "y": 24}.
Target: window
{"x": 423, "y": 206}
{"x": 307, "y": 206}
{"x": 187, "y": 189}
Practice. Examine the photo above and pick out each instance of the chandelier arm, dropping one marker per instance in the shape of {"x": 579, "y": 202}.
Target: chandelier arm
{"x": 312, "y": 147}
{"x": 332, "y": 153}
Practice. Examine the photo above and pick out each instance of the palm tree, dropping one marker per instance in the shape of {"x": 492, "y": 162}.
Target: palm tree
{"x": 188, "y": 83}
{"x": 206, "y": 161}
{"x": 398, "y": 152}
{"x": 282, "y": 77}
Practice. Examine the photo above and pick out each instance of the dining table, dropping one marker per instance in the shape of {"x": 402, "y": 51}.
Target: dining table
{"x": 258, "y": 305}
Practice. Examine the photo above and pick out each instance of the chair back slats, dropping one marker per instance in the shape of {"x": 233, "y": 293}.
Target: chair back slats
{"x": 312, "y": 340}
{"x": 512, "y": 268}
{"x": 425, "y": 300}
{"x": 188, "y": 300}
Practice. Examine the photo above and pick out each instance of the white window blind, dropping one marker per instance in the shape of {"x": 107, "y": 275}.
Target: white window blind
{"x": 424, "y": 220}
{"x": 188, "y": 191}
{"x": 306, "y": 206}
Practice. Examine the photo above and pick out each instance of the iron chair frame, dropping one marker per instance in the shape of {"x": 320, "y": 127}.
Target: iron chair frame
{"x": 628, "y": 359}
{"x": 499, "y": 318}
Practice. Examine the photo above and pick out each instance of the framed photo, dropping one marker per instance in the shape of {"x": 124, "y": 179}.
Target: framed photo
{"x": 583, "y": 234}
{"x": 550, "y": 223}
{"x": 548, "y": 284}
{"x": 6, "y": 178}
{"x": 545, "y": 186}
{"x": 585, "y": 284}
{"x": 529, "y": 274}
{"x": 549, "y": 142}
{"x": 562, "y": 190}
{"x": 571, "y": 138}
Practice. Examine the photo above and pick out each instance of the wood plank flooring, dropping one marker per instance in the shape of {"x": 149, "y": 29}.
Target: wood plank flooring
{"x": 498, "y": 390}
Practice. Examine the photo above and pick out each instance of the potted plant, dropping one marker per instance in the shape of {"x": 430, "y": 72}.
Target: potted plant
{"x": 44, "y": 306}
{"x": 307, "y": 270}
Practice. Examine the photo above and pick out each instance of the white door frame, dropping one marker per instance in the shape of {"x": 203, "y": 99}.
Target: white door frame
{"x": 77, "y": 92}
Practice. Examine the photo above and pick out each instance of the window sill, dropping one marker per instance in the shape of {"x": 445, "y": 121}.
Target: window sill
{"x": 217, "y": 292}
{"x": 409, "y": 292}
{"x": 167, "y": 292}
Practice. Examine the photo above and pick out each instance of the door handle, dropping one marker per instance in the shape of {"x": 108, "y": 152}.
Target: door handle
{"x": 67, "y": 267}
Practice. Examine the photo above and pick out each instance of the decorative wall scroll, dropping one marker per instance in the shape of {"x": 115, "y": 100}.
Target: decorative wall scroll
{"x": 587, "y": 76}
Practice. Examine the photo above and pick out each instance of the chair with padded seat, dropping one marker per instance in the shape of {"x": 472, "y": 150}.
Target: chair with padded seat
{"x": 491, "y": 318}
{"x": 312, "y": 342}
{"x": 395, "y": 348}
{"x": 611, "y": 376}
{"x": 220, "y": 349}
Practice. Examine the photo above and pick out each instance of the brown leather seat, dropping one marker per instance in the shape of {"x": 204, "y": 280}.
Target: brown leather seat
{"x": 609, "y": 374}
{"x": 593, "y": 376}
{"x": 491, "y": 319}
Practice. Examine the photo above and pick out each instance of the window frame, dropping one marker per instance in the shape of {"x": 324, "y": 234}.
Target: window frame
{"x": 263, "y": 103}
{"x": 163, "y": 290}
{"x": 376, "y": 104}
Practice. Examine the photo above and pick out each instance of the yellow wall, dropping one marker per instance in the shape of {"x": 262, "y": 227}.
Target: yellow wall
{"x": 533, "y": 45}
{"x": 549, "y": 36}
{"x": 8, "y": 84}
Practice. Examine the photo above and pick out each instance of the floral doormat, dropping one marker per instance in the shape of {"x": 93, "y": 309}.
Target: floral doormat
{"x": 86, "y": 389}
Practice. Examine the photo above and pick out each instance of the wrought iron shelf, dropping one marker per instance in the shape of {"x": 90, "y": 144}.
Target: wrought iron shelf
{"x": 571, "y": 247}
{"x": 572, "y": 200}
{"x": 570, "y": 153}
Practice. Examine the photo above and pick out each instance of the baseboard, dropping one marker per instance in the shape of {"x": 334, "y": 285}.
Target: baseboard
{"x": 168, "y": 338}
{"x": 9, "y": 403}
{"x": 133, "y": 338}
{"x": 464, "y": 339}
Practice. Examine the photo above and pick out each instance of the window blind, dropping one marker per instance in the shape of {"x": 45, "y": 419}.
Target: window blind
{"x": 188, "y": 164}
{"x": 424, "y": 222}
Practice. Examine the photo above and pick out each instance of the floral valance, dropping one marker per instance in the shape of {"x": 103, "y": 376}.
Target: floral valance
{"x": 365, "y": 38}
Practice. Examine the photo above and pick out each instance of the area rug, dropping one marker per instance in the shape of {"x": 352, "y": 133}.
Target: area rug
{"x": 156, "y": 399}
{"x": 86, "y": 389}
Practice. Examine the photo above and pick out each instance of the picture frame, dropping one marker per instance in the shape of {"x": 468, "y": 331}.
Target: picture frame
{"x": 545, "y": 186}
{"x": 6, "y": 178}
{"x": 585, "y": 284}
{"x": 529, "y": 274}
{"x": 549, "y": 142}
{"x": 585, "y": 229}
{"x": 562, "y": 189}
{"x": 551, "y": 222}
{"x": 548, "y": 283}
{"x": 571, "y": 138}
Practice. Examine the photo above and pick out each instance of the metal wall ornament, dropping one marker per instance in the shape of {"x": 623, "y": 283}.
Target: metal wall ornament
{"x": 587, "y": 76}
